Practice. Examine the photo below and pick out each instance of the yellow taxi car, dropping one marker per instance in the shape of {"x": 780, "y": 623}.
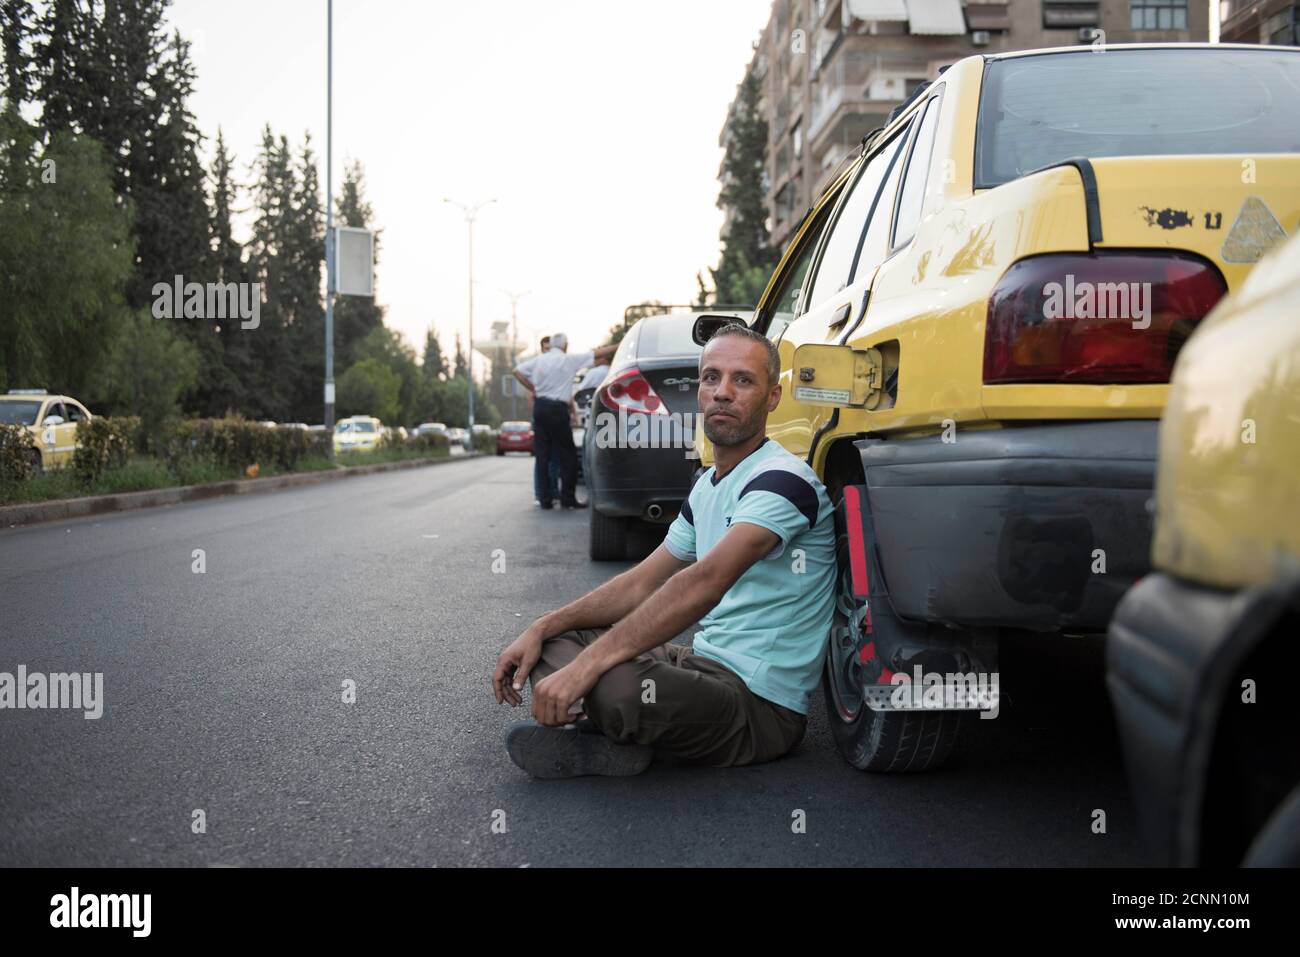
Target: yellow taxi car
{"x": 51, "y": 419}
{"x": 977, "y": 323}
{"x": 1202, "y": 653}
{"x": 357, "y": 433}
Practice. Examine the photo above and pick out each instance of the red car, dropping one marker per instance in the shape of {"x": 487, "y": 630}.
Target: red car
{"x": 515, "y": 437}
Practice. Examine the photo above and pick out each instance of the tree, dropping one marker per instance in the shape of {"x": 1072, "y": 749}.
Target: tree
{"x": 271, "y": 391}
{"x": 435, "y": 366}
{"x": 150, "y": 367}
{"x": 371, "y": 388}
{"x": 461, "y": 367}
{"x": 747, "y": 249}
{"x": 112, "y": 72}
{"x": 66, "y": 250}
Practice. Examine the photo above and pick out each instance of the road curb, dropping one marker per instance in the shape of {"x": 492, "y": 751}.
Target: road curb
{"x": 59, "y": 509}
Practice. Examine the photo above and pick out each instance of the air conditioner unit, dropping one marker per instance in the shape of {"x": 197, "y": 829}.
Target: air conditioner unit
{"x": 979, "y": 38}
{"x": 1086, "y": 34}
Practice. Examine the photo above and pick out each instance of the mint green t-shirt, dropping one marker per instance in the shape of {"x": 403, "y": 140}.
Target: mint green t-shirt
{"x": 772, "y": 625}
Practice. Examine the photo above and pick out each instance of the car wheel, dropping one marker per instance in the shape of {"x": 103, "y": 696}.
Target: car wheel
{"x": 608, "y": 537}
{"x": 500, "y": 452}
{"x": 1278, "y": 842}
{"x": 888, "y": 741}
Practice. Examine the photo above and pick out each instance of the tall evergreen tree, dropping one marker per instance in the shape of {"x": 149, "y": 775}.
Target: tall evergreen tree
{"x": 747, "y": 253}
{"x": 461, "y": 367}
{"x": 227, "y": 370}
{"x": 16, "y": 77}
{"x": 435, "y": 366}
{"x": 271, "y": 392}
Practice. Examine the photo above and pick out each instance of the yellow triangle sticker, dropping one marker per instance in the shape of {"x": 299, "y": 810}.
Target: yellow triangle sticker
{"x": 1254, "y": 232}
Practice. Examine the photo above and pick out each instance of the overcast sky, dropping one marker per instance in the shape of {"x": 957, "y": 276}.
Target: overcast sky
{"x": 594, "y": 124}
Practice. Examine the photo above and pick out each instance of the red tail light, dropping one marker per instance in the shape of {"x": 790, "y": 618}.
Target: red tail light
{"x": 630, "y": 391}
{"x": 1103, "y": 318}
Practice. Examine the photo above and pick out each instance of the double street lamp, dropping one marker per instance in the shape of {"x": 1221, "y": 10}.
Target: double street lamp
{"x": 470, "y": 212}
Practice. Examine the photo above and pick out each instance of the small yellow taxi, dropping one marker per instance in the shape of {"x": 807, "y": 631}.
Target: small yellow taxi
{"x": 977, "y": 323}
{"x": 357, "y": 433}
{"x": 51, "y": 419}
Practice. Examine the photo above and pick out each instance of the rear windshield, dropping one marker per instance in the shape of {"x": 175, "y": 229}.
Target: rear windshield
{"x": 1039, "y": 110}
{"x": 666, "y": 336}
{"x": 514, "y": 427}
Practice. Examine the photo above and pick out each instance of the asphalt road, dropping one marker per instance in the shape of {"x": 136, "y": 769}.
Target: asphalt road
{"x": 223, "y": 692}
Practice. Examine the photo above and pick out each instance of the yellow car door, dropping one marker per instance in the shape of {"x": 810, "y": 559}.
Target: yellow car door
{"x": 833, "y": 300}
{"x": 58, "y": 435}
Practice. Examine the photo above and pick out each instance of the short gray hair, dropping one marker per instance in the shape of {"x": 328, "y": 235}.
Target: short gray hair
{"x": 753, "y": 335}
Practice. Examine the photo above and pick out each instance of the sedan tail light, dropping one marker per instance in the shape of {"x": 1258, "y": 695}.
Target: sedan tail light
{"x": 1109, "y": 317}
{"x": 630, "y": 391}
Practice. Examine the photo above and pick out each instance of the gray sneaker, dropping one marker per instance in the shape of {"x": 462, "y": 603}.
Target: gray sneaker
{"x": 570, "y": 752}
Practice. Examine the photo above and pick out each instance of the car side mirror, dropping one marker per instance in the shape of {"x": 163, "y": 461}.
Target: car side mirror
{"x": 706, "y": 327}
{"x": 53, "y": 420}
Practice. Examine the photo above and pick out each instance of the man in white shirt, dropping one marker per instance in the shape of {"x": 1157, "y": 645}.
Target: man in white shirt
{"x": 549, "y": 377}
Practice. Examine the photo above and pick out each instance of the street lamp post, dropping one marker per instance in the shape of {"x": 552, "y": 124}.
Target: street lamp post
{"x": 329, "y": 218}
{"x": 470, "y": 212}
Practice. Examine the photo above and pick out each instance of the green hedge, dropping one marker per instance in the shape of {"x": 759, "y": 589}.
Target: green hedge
{"x": 16, "y": 447}
{"x": 432, "y": 442}
{"x": 235, "y": 443}
{"x": 485, "y": 442}
{"x": 103, "y": 444}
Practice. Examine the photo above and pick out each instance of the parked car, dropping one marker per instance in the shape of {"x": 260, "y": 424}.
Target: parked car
{"x": 977, "y": 323}
{"x": 357, "y": 433}
{"x": 426, "y": 428}
{"x": 461, "y": 437}
{"x": 52, "y": 421}
{"x": 1202, "y": 651}
{"x": 638, "y": 447}
{"x": 515, "y": 437}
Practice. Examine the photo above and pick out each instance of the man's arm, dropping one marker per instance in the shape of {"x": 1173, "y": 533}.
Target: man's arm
{"x": 603, "y": 353}
{"x": 683, "y": 599}
{"x": 602, "y": 606}
{"x": 527, "y": 382}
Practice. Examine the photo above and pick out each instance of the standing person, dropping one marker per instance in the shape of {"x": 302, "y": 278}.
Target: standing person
{"x": 554, "y": 470}
{"x": 549, "y": 377}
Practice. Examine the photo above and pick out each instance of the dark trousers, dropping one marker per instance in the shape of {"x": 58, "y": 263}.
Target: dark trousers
{"x": 553, "y": 439}
{"x": 686, "y": 706}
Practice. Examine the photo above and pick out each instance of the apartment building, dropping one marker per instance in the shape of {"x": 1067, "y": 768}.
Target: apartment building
{"x": 833, "y": 69}
{"x": 1261, "y": 21}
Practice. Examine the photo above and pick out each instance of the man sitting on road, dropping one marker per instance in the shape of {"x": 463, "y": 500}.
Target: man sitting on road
{"x": 751, "y": 557}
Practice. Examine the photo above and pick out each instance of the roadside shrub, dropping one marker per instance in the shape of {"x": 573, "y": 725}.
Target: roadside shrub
{"x": 237, "y": 444}
{"x": 103, "y": 444}
{"x": 431, "y": 443}
{"x": 16, "y": 446}
{"x": 485, "y": 442}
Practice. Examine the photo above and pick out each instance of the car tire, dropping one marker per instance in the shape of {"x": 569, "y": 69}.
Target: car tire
{"x": 608, "y": 537}
{"x": 1278, "y": 842}
{"x": 500, "y": 452}
{"x": 895, "y": 742}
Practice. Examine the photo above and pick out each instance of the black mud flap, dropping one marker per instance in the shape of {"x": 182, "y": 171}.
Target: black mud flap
{"x": 890, "y": 645}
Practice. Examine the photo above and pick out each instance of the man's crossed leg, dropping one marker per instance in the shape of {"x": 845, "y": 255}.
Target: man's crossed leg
{"x": 667, "y": 701}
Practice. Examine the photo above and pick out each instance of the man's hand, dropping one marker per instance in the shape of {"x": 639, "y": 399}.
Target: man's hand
{"x": 514, "y": 665}
{"x": 555, "y": 695}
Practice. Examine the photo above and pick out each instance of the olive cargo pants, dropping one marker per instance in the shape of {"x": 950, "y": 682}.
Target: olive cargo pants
{"x": 684, "y": 705}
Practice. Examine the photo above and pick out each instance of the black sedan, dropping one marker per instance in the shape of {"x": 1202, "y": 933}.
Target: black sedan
{"x": 638, "y": 451}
